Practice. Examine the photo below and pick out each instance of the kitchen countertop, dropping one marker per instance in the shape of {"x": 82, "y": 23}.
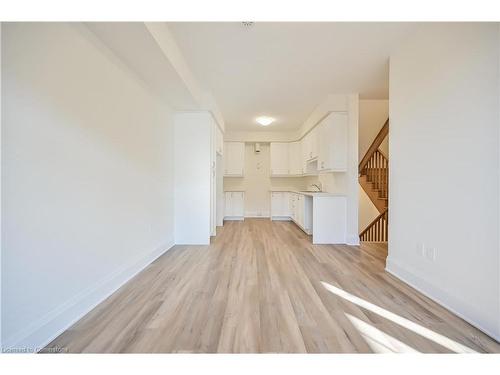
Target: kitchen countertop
{"x": 310, "y": 193}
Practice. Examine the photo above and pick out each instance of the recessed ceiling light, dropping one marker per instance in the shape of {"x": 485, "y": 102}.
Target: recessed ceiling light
{"x": 264, "y": 120}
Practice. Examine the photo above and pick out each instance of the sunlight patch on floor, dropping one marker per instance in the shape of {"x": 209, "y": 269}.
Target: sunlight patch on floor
{"x": 379, "y": 341}
{"x": 403, "y": 322}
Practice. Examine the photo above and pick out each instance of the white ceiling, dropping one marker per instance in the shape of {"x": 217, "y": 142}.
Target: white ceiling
{"x": 284, "y": 70}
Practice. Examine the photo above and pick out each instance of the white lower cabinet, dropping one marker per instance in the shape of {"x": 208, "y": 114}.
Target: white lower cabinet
{"x": 303, "y": 214}
{"x": 234, "y": 205}
{"x": 280, "y": 207}
{"x": 322, "y": 216}
{"x": 300, "y": 210}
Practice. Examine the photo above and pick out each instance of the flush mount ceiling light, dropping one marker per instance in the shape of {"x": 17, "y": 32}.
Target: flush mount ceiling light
{"x": 264, "y": 120}
{"x": 247, "y": 23}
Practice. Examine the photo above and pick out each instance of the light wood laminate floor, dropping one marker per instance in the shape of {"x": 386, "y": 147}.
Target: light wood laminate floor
{"x": 262, "y": 287}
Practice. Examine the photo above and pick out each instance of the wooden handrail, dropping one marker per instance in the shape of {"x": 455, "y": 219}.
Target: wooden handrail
{"x": 375, "y": 145}
{"x": 378, "y": 229}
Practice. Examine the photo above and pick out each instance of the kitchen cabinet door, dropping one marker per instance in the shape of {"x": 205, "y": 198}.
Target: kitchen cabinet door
{"x": 338, "y": 132}
{"x": 324, "y": 145}
{"x": 295, "y": 156}
{"x": 300, "y": 210}
{"x": 333, "y": 143}
{"x": 238, "y": 203}
{"x": 279, "y": 158}
{"x": 292, "y": 200}
{"x": 234, "y": 206}
{"x": 234, "y": 158}
{"x": 313, "y": 143}
{"x": 285, "y": 201}
{"x": 276, "y": 203}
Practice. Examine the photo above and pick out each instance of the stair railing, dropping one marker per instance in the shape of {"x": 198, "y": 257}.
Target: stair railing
{"x": 375, "y": 166}
{"x": 378, "y": 229}
{"x": 374, "y": 146}
{"x": 377, "y": 172}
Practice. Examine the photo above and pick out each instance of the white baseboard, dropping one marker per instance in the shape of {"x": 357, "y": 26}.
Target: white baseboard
{"x": 41, "y": 332}
{"x": 353, "y": 240}
{"x": 281, "y": 218}
{"x": 434, "y": 293}
{"x": 234, "y": 218}
{"x": 254, "y": 215}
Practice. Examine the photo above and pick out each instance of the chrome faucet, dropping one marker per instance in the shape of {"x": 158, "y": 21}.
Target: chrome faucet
{"x": 316, "y": 186}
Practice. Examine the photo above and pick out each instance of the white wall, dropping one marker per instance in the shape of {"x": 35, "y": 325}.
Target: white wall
{"x": 372, "y": 116}
{"x": 367, "y": 210}
{"x": 444, "y": 166}
{"x": 192, "y": 159}
{"x": 87, "y": 178}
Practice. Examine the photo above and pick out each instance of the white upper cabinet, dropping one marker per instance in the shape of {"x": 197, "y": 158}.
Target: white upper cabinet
{"x": 310, "y": 144}
{"x": 332, "y": 145}
{"x": 324, "y": 148}
{"x": 314, "y": 142}
{"x": 295, "y": 157}
{"x": 234, "y": 158}
{"x": 219, "y": 141}
{"x": 280, "y": 158}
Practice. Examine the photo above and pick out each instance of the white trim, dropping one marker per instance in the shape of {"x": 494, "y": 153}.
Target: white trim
{"x": 281, "y": 218}
{"x": 353, "y": 240}
{"x": 434, "y": 293}
{"x": 254, "y": 214}
{"x": 42, "y": 331}
{"x": 234, "y": 218}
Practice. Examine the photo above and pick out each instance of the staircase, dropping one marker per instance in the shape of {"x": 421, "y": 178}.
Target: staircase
{"x": 374, "y": 179}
